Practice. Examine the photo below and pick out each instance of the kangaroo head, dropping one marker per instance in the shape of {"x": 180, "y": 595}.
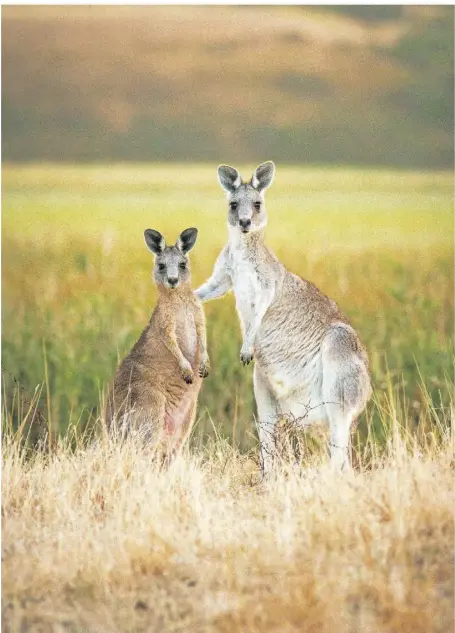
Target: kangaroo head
{"x": 171, "y": 262}
{"x": 246, "y": 199}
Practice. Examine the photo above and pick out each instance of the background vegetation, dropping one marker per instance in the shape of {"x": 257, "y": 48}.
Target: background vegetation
{"x": 77, "y": 276}
{"x": 350, "y": 85}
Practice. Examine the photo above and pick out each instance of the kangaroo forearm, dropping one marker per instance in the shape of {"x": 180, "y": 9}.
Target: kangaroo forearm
{"x": 250, "y": 336}
{"x": 204, "y": 366}
{"x": 259, "y": 311}
{"x": 201, "y": 332}
{"x": 213, "y": 289}
{"x": 172, "y": 346}
{"x": 184, "y": 365}
{"x": 219, "y": 283}
{"x": 202, "y": 338}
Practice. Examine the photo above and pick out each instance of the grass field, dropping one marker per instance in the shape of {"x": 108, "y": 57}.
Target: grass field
{"x": 96, "y": 539}
{"x": 77, "y": 275}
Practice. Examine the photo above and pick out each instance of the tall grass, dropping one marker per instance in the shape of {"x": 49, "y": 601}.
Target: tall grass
{"x": 98, "y": 537}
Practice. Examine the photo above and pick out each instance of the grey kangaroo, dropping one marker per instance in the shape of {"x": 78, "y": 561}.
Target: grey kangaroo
{"x": 309, "y": 363}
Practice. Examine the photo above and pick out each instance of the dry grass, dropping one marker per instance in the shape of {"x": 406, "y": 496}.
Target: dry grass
{"x": 96, "y": 538}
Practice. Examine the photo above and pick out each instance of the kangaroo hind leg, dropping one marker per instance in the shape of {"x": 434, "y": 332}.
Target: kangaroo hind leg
{"x": 345, "y": 389}
{"x": 187, "y": 425}
{"x": 268, "y": 414}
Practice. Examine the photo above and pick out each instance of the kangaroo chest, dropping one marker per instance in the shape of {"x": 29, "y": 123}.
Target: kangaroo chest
{"x": 247, "y": 285}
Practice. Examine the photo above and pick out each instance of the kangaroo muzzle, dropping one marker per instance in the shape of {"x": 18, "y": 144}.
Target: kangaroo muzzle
{"x": 245, "y": 225}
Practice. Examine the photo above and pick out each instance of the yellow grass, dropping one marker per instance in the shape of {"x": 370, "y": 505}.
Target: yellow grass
{"x": 100, "y": 540}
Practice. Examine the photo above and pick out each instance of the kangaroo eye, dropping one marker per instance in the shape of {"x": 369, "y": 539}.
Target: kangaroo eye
{"x": 182, "y": 266}
{"x": 234, "y": 205}
{"x": 161, "y": 267}
{"x": 257, "y": 206}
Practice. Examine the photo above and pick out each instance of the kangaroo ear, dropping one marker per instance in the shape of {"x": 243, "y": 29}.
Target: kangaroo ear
{"x": 155, "y": 241}
{"x": 229, "y": 178}
{"x": 186, "y": 240}
{"x": 263, "y": 176}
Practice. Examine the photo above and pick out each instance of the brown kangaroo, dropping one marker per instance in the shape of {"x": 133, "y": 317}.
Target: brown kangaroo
{"x": 156, "y": 387}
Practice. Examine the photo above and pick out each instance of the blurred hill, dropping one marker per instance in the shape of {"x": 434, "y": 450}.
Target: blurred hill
{"x": 359, "y": 85}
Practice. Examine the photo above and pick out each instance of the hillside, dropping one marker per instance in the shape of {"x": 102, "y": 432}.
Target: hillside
{"x": 212, "y": 83}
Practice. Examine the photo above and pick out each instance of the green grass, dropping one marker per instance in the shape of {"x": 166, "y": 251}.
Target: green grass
{"x": 76, "y": 277}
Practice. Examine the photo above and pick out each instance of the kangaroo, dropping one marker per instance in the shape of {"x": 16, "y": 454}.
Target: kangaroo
{"x": 309, "y": 363}
{"x": 156, "y": 386}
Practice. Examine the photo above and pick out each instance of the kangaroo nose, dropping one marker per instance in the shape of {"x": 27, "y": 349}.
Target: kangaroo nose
{"x": 172, "y": 281}
{"x": 245, "y": 224}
